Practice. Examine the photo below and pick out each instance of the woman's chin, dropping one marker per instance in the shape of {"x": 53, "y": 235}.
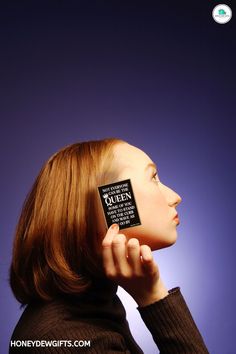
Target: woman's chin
{"x": 152, "y": 239}
{"x": 164, "y": 243}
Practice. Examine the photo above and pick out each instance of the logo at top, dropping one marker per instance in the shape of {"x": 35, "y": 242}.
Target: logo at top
{"x": 222, "y": 13}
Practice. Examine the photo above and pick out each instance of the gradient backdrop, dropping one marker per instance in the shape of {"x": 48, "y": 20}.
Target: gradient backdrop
{"x": 160, "y": 75}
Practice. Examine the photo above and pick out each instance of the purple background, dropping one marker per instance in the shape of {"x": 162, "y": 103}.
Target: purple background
{"x": 161, "y": 77}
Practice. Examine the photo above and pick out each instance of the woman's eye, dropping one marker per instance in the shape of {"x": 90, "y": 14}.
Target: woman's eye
{"x": 155, "y": 177}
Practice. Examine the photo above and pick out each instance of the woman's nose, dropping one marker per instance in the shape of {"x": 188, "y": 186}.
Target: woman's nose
{"x": 172, "y": 197}
{"x": 176, "y": 200}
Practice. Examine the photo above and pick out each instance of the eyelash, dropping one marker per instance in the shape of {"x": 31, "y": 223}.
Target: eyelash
{"x": 154, "y": 176}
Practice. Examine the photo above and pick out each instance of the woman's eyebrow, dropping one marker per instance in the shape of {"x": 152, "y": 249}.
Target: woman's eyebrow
{"x": 151, "y": 164}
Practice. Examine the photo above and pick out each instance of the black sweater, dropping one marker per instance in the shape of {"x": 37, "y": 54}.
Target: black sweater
{"x": 99, "y": 317}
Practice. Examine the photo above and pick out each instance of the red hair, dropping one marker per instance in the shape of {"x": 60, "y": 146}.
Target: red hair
{"x": 57, "y": 240}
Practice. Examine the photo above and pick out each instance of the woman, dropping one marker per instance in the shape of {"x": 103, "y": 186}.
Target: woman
{"x": 67, "y": 272}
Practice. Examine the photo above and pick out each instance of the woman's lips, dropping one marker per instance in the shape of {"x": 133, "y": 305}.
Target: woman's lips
{"x": 176, "y": 218}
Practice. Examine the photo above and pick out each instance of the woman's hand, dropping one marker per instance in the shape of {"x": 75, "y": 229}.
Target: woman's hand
{"x": 132, "y": 266}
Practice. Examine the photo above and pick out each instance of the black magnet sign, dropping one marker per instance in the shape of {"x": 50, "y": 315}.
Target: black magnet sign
{"x": 119, "y": 205}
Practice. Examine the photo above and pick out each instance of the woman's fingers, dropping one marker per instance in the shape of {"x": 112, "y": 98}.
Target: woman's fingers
{"x": 108, "y": 261}
{"x": 134, "y": 255}
{"x": 132, "y": 266}
{"x": 119, "y": 255}
{"x": 125, "y": 259}
{"x": 147, "y": 259}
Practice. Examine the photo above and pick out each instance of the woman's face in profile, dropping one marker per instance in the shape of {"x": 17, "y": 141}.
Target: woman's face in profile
{"x": 156, "y": 202}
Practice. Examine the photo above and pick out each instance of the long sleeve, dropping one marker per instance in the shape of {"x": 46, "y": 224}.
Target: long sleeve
{"x": 99, "y": 317}
{"x": 172, "y": 326}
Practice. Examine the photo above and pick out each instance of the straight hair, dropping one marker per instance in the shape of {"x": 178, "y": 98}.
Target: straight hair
{"x": 57, "y": 240}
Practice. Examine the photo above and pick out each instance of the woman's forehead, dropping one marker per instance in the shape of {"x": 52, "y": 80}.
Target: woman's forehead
{"x": 130, "y": 155}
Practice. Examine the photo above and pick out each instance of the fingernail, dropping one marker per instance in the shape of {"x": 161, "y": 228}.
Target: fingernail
{"x": 115, "y": 227}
